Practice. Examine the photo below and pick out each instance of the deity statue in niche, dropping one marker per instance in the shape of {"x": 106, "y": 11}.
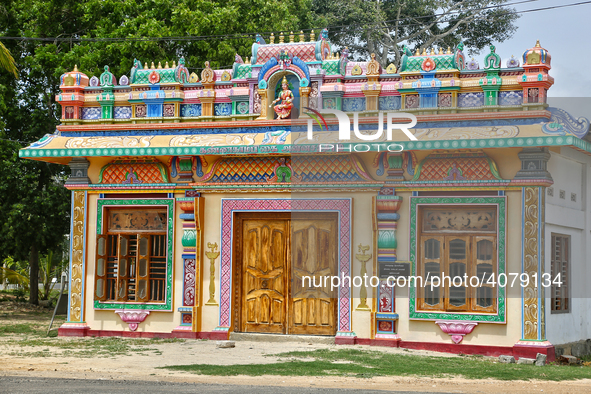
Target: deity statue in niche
{"x": 285, "y": 99}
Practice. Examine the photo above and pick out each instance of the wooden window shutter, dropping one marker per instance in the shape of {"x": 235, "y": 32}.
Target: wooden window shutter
{"x": 100, "y": 277}
{"x": 431, "y": 265}
{"x": 123, "y": 267}
{"x": 143, "y": 271}
{"x": 560, "y": 265}
{"x": 457, "y": 250}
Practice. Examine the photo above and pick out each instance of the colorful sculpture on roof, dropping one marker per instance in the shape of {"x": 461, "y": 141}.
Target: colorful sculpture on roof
{"x": 285, "y": 99}
{"x": 428, "y": 80}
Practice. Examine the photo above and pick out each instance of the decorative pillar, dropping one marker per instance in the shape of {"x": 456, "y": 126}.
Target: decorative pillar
{"x": 76, "y": 325}
{"x": 192, "y": 241}
{"x": 372, "y": 88}
{"x": 395, "y": 164}
{"x": 207, "y": 96}
{"x": 535, "y": 78}
{"x": 107, "y": 98}
{"x": 533, "y": 328}
{"x": 384, "y": 319}
{"x": 304, "y": 99}
{"x": 363, "y": 259}
{"x": 492, "y": 83}
{"x": 264, "y": 105}
{"x": 212, "y": 255}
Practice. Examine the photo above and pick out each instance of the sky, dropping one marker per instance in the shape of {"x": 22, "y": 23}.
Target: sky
{"x": 565, "y": 33}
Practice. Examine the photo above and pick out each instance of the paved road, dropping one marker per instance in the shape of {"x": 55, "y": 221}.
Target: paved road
{"x": 10, "y": 384}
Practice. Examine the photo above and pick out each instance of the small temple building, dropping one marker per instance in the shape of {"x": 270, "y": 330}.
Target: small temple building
{"x": 201, "y": 202}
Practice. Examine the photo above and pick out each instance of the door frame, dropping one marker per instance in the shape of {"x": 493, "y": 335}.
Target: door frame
{"x": 342, "y": 206}
{"x": 238, "y": 265}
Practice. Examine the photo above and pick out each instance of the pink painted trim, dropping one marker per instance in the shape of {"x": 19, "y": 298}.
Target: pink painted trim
{"x": 303, "y": 122}
{"x": 132, "y": 317}
{"x": 456, "y": 329}
{"x": 394, "y": 337}
{"x": 341, "y": 205}
{"x": 274, "y": 69}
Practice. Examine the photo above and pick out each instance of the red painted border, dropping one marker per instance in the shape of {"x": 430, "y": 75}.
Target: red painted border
{"x": 303, "y": 122}
{"x": 85, "y": 332}
{"x": 516, "y": 351}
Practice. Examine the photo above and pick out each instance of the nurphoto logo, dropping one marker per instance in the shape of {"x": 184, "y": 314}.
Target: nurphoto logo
{"x": 345, "y": 124}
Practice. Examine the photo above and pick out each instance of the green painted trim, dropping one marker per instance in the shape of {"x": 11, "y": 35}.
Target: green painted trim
{"x": 288, "y": 149}
{"x": 501, "y": 241}
{"x": 169, "y": 203}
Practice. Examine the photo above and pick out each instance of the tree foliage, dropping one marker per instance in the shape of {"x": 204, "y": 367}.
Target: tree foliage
{"x": 34, "y": 207}
{"x": 383, "y": 26}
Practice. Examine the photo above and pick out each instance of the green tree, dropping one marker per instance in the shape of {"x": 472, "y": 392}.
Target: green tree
{"x": 50, "y": 266}
{"x": 7, "y": 61}
{"x": 383, "y": 26}
{"x": 34, "y": 207}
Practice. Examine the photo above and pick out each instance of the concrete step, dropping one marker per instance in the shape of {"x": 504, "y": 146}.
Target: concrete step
{"x": 257, "y": 337}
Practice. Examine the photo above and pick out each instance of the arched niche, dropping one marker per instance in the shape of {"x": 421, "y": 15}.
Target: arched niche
{"x": 274, "y": 83}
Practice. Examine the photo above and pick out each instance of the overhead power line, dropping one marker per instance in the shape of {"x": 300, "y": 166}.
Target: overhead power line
{"x": 251, "y": 35}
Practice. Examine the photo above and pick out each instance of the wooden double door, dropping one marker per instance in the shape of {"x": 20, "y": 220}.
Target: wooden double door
{"x": 274, "y": 251}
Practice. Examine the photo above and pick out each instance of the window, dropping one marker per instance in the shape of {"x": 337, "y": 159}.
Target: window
{"x": 457, "y": 242}
{"x": 560, "y": 265}
{"x": 131, "y": 256}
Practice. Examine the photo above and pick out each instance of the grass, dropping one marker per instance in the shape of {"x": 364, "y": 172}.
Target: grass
{"x": 366, "y": 364}
{"x": 24, "y": 332}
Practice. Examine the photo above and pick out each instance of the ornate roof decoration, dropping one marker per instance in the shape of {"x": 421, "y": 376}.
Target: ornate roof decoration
{"x": 307, "y": 51}
{"x": 563, "y": 123}
{"x": 166, "y": 74}
{"x": 457, "y": 166}
{"x": 107, "y": 78}
{"x": 373, "y": 67}
{"x": 73, "y": 78}
{"x": 472, "y": 65}
{"x": 357, "y": 70}
{"x": 432, "y": 61}
{"x": 207, "y": 75}
{"x": 512, "y": 63}
{"x": 391, "y": 69}
{"x": 492, "y": 60}
{"x": 133, "y": 172}
{"x": 536, "y": 55}
{"x": 193, "y": 78}
{"x": 300, "y": 169}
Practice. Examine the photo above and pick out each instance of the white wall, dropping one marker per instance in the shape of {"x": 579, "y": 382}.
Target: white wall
{"x": 571, "y": 171}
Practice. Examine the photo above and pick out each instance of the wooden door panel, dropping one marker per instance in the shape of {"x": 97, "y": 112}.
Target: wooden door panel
{"x": 264, "y": 263}
{"x": 312, "y": 309}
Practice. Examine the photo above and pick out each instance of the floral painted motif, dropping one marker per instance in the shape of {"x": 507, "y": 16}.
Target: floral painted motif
{"x": 412, "y": 101}
{"x": 511, "y": 98}
{"x": 355, "y": 104}
{"x": 122, "y": 112}
{"x": 190, "y": 110}
{"x": 223, "y": 109}
{"x": 91, "y": 113}
{"x": 444, "y": 100}
{"x": 242, "y": 108}
{"x": 168, "y": 110}
{"x": 140, "y": 111}
{"x": 330, "y": 103}
{"x": 389, "y": 103}
{"x": 470, "y": 99}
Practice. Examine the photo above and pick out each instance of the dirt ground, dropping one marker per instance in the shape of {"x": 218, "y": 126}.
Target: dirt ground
{"x": 145, "y": 367}
{"x": 37, "y": 361}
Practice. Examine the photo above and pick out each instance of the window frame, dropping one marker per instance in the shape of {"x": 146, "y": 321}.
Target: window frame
{"x": 567, "y": 292}
{"x": 418, "y": 203}
{"x": 101, "y": 229}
